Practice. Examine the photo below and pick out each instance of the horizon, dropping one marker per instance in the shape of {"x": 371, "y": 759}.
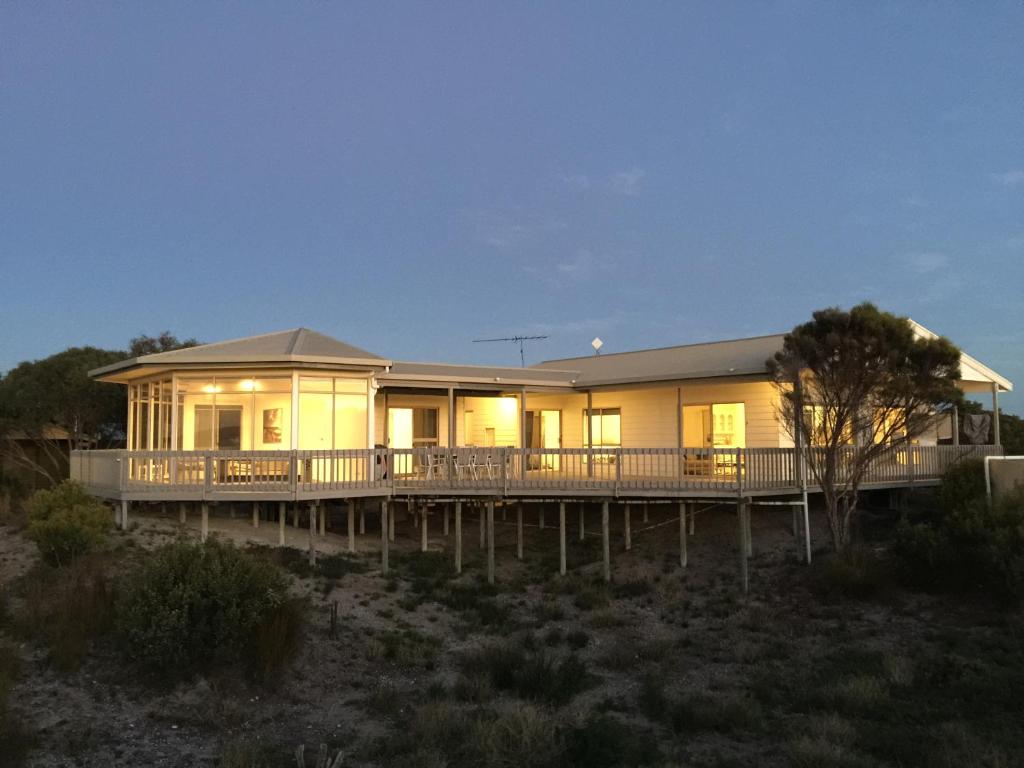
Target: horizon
{"x": 409, "y": 179}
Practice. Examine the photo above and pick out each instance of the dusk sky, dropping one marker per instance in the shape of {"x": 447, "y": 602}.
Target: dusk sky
{"x": 409, "y": 177}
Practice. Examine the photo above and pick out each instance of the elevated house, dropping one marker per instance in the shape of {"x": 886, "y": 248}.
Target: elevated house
{"x": 300, "y": 415}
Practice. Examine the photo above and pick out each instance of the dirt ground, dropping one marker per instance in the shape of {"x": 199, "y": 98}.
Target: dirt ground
{"x": 662, "y": 648}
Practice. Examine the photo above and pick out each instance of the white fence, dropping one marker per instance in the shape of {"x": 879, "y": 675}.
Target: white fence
{"x": 495, "y": 471}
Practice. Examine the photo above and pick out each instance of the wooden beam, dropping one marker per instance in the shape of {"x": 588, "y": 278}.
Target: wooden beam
{"x": 519, "y": 530}
{"x": 606, "y": 555}
{"x": 490, "y": 542}
{"x": 458, "y": 537}
{"x": 682, "y": 535}
{"x": 561, "y": 538}
{"x": 384, "y": 523}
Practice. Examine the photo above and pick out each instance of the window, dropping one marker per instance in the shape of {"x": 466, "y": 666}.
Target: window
{"x": 718, "y": 425}
{"x": 606, "y": 426}
{"x": 218, "y": 427}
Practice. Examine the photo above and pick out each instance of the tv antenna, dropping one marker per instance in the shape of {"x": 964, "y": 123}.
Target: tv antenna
{"x": 520, "y": 340}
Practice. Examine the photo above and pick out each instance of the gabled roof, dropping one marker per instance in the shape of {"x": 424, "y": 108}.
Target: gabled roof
{"x": 739, "y": 357}
{"x": 975, "y": 376}
{"x": 299, "y": 345}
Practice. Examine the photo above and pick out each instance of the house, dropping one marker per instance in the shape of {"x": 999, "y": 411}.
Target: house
{"x": 231, "y": 418}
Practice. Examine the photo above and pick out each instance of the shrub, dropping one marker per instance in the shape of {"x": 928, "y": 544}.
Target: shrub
{"x": 976, "y": 548}
{"x": 606, "y": 742}
{"x": 16, "y": 741}
{"x": 537, "y": 676}
{"x": 67, "y": 609}
{"x": 854, "y": 572}
{"x": 192, "y": 605}
{"x": 962, "y": 484}
{"x": 66, "y": 522}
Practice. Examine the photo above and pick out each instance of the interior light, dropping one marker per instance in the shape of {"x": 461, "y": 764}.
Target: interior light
{"x": 211, "y": 389}
{"x": 248, "y": 385}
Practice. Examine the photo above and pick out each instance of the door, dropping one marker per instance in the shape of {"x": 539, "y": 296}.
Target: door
{"x": 400, "y": 437}
{"x": 544, "y": 431}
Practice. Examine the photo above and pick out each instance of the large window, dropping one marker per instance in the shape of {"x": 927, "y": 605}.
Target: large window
{"x": 605, "y": 426}
{"x": 715, "y": 425}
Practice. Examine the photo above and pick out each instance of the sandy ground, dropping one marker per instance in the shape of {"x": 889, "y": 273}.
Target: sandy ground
{"x": 104, "y": 715}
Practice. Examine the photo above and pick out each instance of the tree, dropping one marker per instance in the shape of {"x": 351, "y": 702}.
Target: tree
{"x": 50, "y": 406}
{"x": 854, "y": 387}
{"x": 165, "y": 342}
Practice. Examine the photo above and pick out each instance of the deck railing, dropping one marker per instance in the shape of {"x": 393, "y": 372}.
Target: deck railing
{"x": 497, "y": 471}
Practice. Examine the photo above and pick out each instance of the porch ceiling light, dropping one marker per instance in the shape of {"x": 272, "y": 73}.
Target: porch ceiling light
{"x": 248, "y": 385}
{"x": 211, "y": 389}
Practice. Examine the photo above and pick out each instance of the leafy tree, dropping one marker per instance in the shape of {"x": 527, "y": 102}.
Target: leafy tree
{"x": 165, "y": 342}
{"x": 52, "y": 405}
{"x": 855, "y": 386}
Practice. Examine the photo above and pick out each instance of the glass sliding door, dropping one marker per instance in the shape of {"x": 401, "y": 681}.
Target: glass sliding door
{"x": 544, "y": 430}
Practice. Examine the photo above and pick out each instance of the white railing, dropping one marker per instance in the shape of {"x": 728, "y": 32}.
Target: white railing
{"x": 494, "y": 470}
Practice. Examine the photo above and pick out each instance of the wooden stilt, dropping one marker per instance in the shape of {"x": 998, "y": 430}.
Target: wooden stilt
{"x": 384, "y": 523}
{"x": 682, "y": 534}
{"x": 445, "y": 523}
{"x": 282, "y": 514}
{"x": 606, "y": 555}
{"x": 741, "y": 529}
{"x": 693, "y": 518}
{"x": 182, "y": 512}
{"x": 583, "y": 520}
{"x": 362, "y": 523}
{"x": 483, "y": 525}
{"x": 490, "y": 542}
{"x": 351, "y": 526}
{"x": 627, "y": 532}
{"x": 458, "y": 537}
{"x": 295, "y": 515}
{"x": 255, "y": 514}
{"x": 561, "y": 538}
{"x": 204, "y": 525}
{"x": 519, "y": 531}
{"x": 391, "y": 525}
{"x": 322, "y": 515}
{"x": 312, "y": 533}
{"x": 122, "y": 523}
{"x": 423, "y": 528}
{"x": 747, "y": 530}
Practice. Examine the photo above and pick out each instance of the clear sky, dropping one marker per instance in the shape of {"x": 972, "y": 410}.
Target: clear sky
{"x": 409, "y": 177}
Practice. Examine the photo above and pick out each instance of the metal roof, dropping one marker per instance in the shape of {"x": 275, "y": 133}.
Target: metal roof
{"x": 478, "y": 374}
{"x": 299, "y": 345}
{"x": 738, "y": 357}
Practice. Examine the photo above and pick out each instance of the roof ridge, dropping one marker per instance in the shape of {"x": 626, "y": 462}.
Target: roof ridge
{"x": 290, "y": 350}
{"x": 661, "y": 349}
{"x": 484, "y": 365}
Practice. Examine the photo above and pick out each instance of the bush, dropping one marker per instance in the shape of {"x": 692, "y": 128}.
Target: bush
{"x": 67, "y": 609}
{"x": 66, "y": 522}
{"x": 606, "y": 742}
{"x": 537, "y": 676}
{"x": 193, "y": 605}
{"x": 962, "y": 484}
{"x": 854, "y": 573}
{"x": 16, "y": 741}
{"x": 976, "y": 548}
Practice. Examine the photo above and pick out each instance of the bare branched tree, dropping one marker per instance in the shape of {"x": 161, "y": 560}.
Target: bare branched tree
{"x": 856, "y": 388}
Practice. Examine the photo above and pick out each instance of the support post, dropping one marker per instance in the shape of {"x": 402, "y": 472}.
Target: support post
{"x": 995, "y": 414}
{"x": 627, "y": 535}
{"x": 490, "y": 542}
{"x": 606, "y": 555}
{"x": 519, "y": 530}
{"x": 322, "y": 515}
{"x": 647, "y": 512}
{"x": 540, "y": 517}
{"x": 255, "y": 514}
{"x": 204, "y": 525}
{"x": 742, "y": 549}
{"x": 391, "y": 525}
{"x": 122, "y": 523}
{"x": 483, "y": 525}
{"x": 384, "y": 523}
{"x": 295, "y": 515}
{"x": 693, "y": 518}
{"x": 561, "y": 538}
{"x": 182, "y": 512}
{"x": 807, "y": 531}
{"x": 282, "y": 514}
{"x": 362, "y": 523}
{"x": 748, "y": 534}
{"x": 583, "y": 520}
{"x": 351, "y": 525}
{"x": 312, "y": 533}
{"x": 446, "y": 510}
{"x": 423, "y": 528}
{"x": 458, "y": 537}
{"x": 683, "y": 558}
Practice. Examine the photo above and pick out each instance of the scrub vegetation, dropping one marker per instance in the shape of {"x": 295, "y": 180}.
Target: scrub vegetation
{"x": 156, "y": 650}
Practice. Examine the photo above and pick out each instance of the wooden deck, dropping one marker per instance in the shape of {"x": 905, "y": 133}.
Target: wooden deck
{"x": 486, "y": 472}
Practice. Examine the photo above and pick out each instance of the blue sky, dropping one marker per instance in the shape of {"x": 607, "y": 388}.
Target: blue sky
{"x": 409, "y": 177}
